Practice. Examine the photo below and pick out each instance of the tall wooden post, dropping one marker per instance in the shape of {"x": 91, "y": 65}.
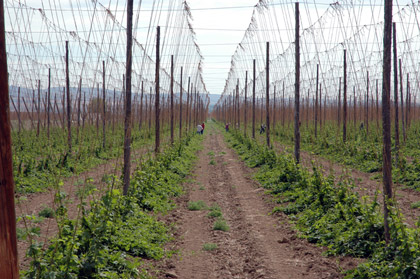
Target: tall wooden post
{"x": 68, "y": 98}
{"x": 396, "y": 120}
{"x": 316, "y": 100}
{"x": 18, "y": 111}
{"x": 114, "y": 113}
{"x": 97, "y": 110}
{"x": 84, "y": 110}
{"x": 320, "y": 106}
{"x": 283, "y": 108}
{"x": 238, "y": 116}
{"x": 141, "y": 105}
{"x": 377, "y": 103}
{"x": 345, "y": 98}
{"x": 253, "y": 100}
{"x": 386, "y": 115}
{"x": 190, "y": 108}
{"x": 274, "y": 109}
{"x": 407, "y": 106}
{"x": 234, "y": 109}
{"x": 404, "y": 125}
{"x": 245, "y": 109}
{"x": 8, "y": 242}
{"x": 196, "y": 120}
{"x": 103, "y": 106}
{"x": 150, "y": 108}
{"x": 49, "y": 103}
{"x": 187, "y": 120}
{"x": 172, "y": 99}
{"x": 267, "y": 94}
{"x": 63, "y": 122}
{"x": 297, "y": 86}
{"x": 127, "y": 119}
{"x": 180, "y": 105}
{"x": 354, "y": 107}
{"x": 367, "y": 104}
{"x": 325, "y": 107}
{"x": 339, "y": 103}
{"x": 157, "y": 95}
{"x": 39, "y": 109}
{"x": 79, "y": 100}
{"x": 307, "y": 109}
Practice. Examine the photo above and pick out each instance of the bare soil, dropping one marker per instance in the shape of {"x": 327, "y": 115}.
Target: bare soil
{"x": 257, "y": 245}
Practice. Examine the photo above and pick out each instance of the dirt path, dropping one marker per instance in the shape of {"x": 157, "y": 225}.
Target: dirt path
{"x": 257, "y": 245}
{"x": 365, "y": 183}
{"x": 32, "y": 204}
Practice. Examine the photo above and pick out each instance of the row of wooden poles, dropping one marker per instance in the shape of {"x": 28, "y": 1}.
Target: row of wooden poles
{"x": 196, "y": 110}
{"x": 228, "y": 109}
{"x": 36, "y": 114}
{"x": 361, "y": 110}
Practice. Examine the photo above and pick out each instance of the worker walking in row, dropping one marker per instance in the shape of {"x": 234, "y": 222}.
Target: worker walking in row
{"x": 199, "y": 129}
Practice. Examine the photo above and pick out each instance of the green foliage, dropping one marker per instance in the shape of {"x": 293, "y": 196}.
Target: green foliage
{"x": 38, "y": 161}
{"x": 212, "y": 162}
{"x": 46, "y": 212}
{"x": 159, "y": 180}
{"x": 215, "y": 211}
{"x": 210, "y": 246}
{"x": 399, "y": 259}
{"x": 361, "y": 150}
{"x": 197, "y": 205}
{"x": 333, "y": 215}
{"x": 220, "y": 225}
{"x": 25, "y": 233}
{"x": 415, "y": 205}
{"x": 117, "y": 231}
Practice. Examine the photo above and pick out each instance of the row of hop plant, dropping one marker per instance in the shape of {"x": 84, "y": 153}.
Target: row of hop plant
{"x": 116, "y": 232}
{"x": 36, "y": 159}
{"x": 361, "y": 151}
{"x": 331, "y": 213}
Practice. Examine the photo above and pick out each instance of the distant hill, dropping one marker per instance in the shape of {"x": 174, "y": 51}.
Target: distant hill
{"x": 58, "y": 91}
{"x": 213, "y": 100}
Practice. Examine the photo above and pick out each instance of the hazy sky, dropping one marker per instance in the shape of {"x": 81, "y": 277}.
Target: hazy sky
{"x": 219, "y": 31}
{"x": 219, "y": 25}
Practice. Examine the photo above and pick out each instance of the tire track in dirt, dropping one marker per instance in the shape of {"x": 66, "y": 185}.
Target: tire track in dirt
{"x": 258, "y": 245}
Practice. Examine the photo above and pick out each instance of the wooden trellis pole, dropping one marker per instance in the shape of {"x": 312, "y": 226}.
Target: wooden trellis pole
{"x": 267, "y": 93}
{"x": 49, "y": 103}
{"x": 68, "y": 99}
{"x": 402, "y": 100}
{"x": 253, "y": 100}
{"x": 39, "y": 109}
{"x": 8, "y": 242}
{"x": 396, "y": 118}
{"x": 180, "y": 106}
{"x": 345, "y": 98}
{"x": 245, "y": 109}
{"x": 367, "y": 104}
{"x": 172, "y": 99}
{"x": 103, "y": 106}
{"x": 297, "y": 86}
{"x": 127, "y": 120}
{"x": 316, "y": 100}
{"x": 157, "y": 93}
{"x": 386, "y": 116}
